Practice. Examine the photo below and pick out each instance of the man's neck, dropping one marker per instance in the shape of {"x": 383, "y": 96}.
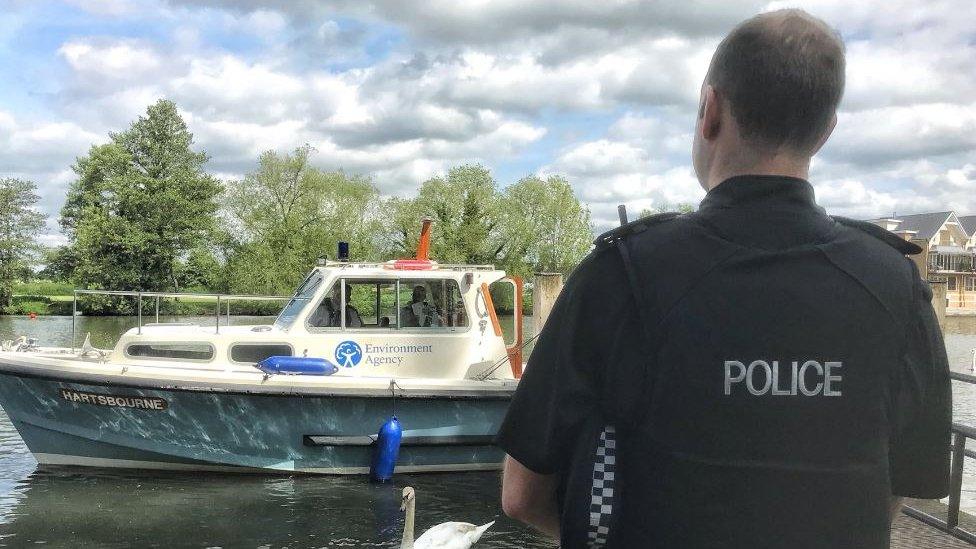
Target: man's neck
{"x": 781, "y": 164}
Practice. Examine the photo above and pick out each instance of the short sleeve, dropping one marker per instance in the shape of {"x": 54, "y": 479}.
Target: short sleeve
{"x": 919, "y": 452}
{"x": 593, "y": 327}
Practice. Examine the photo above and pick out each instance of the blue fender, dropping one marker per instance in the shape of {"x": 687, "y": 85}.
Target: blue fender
{"x": 297, "y": 366}
{"x": 386, "y": 451}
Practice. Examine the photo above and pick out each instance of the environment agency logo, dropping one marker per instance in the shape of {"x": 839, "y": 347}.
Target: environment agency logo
{"x": 348, "y": 354}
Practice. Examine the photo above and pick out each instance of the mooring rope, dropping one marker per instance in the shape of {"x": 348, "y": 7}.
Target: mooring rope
{"x": 487, "y": 373}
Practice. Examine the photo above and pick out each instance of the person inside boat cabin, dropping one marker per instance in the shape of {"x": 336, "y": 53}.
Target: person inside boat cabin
{"x": 418, "y": 313}
{"x": 756, "y": 373}
{"x": 327, "y": 315}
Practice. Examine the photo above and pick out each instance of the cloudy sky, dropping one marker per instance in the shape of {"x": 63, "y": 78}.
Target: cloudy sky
{"x": 601, "y": 92}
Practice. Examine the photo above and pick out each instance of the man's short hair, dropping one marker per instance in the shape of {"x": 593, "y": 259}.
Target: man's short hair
{"x": 783, "y": 75}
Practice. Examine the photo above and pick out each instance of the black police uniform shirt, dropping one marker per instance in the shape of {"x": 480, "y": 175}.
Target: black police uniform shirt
{"x": 778, "y": 375}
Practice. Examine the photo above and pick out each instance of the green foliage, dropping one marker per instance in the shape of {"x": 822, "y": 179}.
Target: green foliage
{"x": 464, "y": 206}
{"x": 287, "y": 214}
{"x": 140, "y": 204}
{"x": 18, "y": 299}
{"x": 41, "y": 287}
{"x": 28, "y": 307}
{"x": 200, "y": 271}
{"x": 545, "y": 227}
{"x": 59, "y": 264}
{"x": 533, "y": 225}
{"x": 19, "y": 226}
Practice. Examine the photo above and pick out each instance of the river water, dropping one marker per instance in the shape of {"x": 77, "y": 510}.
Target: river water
{"x": 65, "y": 507}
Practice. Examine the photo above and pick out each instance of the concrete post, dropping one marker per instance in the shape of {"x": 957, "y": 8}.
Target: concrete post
{"x": 545, "y": 290}
{"x": 939, "y": 302}
{"x": 922, "y": 260}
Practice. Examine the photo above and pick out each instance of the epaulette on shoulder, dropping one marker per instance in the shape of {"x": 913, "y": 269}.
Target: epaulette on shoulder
{"x": 888, "y": 237}
{"x": 634, "y": 227}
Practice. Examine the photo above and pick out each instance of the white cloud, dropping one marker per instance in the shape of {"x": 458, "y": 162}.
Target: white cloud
{"x": 109, "y": 59}
{"x": 890, "y": 134}
{"x": 852, "y": 198}
{"x": 227, "y": 86}
{"x": 27, "y": 147}
{"x": 632, "y": 168}
{"x": 106, "y": 7}
{"x": 502, "y": 21}
{"x": 402, "y": 91}
{"x": 266, "y": 24}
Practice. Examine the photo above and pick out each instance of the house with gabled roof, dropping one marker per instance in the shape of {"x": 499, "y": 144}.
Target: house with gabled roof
{"x": 948, "y": 242}
{"x": 969, "y": 225}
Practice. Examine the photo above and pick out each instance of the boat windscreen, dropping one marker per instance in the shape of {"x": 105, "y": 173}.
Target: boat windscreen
{"x": 302, "y": 296}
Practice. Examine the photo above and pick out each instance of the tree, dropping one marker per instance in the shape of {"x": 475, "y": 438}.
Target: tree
{"x": 533, "y": 225}
{"x": 140, "y": 204}
{"x": 59, "y": 264}
{"x": 200, "y": 271}
{"x": 464, "y": 206}
{"x": 544, "y": 226}
{"x": 287, "y": 213}
{"x": 20, "y": 224}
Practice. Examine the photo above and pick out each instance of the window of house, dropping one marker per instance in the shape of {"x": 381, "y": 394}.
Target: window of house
{"x": 369, "y": 304}
{"x": 971, "y": 283}
{"x": 951, "y": 283}
{"x": 431, "y": 303}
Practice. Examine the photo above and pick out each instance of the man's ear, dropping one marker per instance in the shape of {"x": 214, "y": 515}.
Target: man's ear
{"x": 826, "y": 134}
{"x": 710, "y": 113}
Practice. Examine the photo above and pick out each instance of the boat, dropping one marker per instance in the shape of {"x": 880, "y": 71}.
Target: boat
{"x": 356, "y": 344}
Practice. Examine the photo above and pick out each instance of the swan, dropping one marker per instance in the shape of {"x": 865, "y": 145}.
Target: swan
{"x": 449, "y": 535}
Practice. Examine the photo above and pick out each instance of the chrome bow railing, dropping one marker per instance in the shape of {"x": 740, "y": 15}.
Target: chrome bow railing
{"x": 219, "y": 299}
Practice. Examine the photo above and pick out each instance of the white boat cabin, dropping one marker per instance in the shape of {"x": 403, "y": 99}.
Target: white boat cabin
{"x": 403, "y": 319}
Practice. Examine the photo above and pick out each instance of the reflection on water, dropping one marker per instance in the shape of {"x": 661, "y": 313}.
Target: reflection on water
{"x": 115, "y": 508}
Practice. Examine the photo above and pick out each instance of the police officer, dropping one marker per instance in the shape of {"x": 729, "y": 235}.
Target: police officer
{"x": 755, "y": 374}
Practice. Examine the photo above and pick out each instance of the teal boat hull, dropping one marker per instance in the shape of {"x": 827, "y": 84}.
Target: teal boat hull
{"x": 111, "y": 425}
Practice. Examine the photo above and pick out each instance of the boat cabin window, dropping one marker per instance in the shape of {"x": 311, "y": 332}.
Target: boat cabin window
{"x": 252, "y": 353}
{"x": 179, "y": 351}
{"x": 302, "y": 296}
{"x": 370, "y": 304}
{"x": 431, "y": 303}
{"x": 385, "y": 304}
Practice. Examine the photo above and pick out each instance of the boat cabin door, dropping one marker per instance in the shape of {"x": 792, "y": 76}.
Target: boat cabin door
{"x": 508, "y": 293}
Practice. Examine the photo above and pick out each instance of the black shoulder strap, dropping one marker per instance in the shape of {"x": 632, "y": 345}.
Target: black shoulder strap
{"x": 637, "y": 289}
{"x": 634, "y": 227}
{"x": 888, "y": 237}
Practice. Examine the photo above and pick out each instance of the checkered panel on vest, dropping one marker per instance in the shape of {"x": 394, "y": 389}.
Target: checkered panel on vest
{"x": 601, "y": 500}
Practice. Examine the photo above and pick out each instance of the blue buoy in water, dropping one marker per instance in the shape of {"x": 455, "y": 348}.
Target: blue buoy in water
{"x": 386, "y": 451}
